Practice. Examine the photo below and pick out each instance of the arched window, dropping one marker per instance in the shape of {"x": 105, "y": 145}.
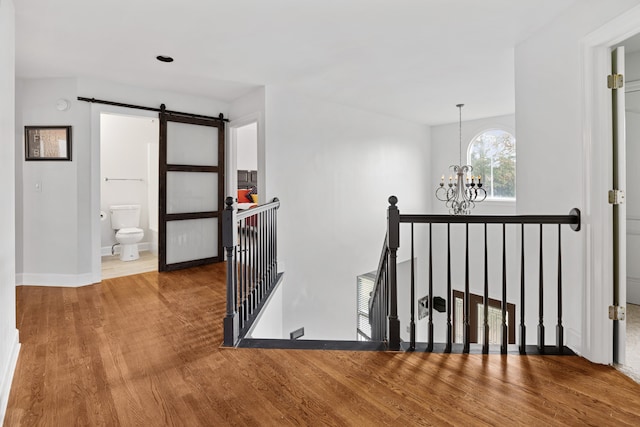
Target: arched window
{"x": 493, "y": 157}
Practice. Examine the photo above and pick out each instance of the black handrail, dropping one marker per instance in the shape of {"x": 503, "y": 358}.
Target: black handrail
{"x": 383, "y": 303}
{"x": 572, "y": 219}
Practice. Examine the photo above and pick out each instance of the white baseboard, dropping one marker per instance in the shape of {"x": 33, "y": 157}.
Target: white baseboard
{"x": 573, "y": 340}
{"x": 7, "y": 374}
{"x": 142, "y": 246}
{"x": 59, "y": 280}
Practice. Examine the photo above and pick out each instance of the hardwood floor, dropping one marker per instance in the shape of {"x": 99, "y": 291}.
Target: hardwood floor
{"x": 144, "y": 350}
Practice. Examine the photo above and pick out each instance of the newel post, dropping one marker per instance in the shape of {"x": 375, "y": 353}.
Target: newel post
{"x": 393, "y": 242}
{"x": 231, "y": 321}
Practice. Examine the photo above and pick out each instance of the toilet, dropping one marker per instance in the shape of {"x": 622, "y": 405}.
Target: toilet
{"x": 125, "y": 219}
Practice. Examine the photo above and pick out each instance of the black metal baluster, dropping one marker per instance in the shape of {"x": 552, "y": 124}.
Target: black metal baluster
{"x": 467, "y": 299}
{"x": 385, "y": 306}
{"x": 275, "y": 240}
{"x": 412, "y": 323}
{"x": 272, "y": 238}
{"x": 447, "y": 348}
{"x": 258, "y": 258}
{"x": 255, "y": 249}
{"x": 541, "y": 300}
{"x": 254, "y": 263}
{"x": 265, "y": 255}
{"x": 270, "y": 255}
{"x": 270, "y": 247}
{"x": 559, "y": 327}
{"x": 430, "y": 298}
{"x": 485, "y": 344}
{"x": 263, "y": 252}
{"x": 241, "y": 267}
{"x": 249, "y": 268}
{"x": 505, "y": 329}
{"x": 523, "y": 329}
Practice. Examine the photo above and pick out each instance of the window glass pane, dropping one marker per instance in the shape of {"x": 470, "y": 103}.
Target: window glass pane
{"x": 365, "y": 288}
{"x": 192, "y": 239}
{"x": 459, "y": 326}
{"x": 494, "y": 319}
{"x": 493, "y": 157}
{"x": 192, "y": 192}
{"x": 189, "y": 144}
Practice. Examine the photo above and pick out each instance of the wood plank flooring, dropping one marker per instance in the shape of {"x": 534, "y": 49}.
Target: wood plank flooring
{"x": 144, "y": 350}
{"x": 113, "y": 267}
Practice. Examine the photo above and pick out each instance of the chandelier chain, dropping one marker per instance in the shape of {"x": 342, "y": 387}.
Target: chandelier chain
{"x": 460, "y": 131}
{"x": 465, "y": 190}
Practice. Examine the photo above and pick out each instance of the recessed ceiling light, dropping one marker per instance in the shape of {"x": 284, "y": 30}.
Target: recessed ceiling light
{"x": 164, "y": 58}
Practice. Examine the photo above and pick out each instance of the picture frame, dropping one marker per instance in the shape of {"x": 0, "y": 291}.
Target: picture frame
{"x": 47, "y": 143}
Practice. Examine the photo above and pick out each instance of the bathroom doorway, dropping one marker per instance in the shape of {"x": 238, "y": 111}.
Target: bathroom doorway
{"x": 632, "y": 129}
{"x": 128, "y": 176}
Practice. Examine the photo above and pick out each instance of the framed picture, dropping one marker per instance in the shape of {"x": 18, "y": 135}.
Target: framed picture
{"x": 47, "y": 142}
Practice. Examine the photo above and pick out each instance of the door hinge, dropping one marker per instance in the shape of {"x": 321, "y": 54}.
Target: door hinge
{"x": 615, "y": 81}
{"x": 616, "y": 312}
{"x": 616, "y": 197}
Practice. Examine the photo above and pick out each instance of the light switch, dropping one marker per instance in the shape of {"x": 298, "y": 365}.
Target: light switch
{"x": 38, "y": 187}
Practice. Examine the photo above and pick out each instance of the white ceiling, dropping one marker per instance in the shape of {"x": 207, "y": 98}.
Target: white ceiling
{"x": 413, "y": 59}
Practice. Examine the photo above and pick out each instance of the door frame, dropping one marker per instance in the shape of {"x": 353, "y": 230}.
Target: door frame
{"x": 597, "y": 160}
{"x": 96, "y": 193}
{"x": 232, "y": 153}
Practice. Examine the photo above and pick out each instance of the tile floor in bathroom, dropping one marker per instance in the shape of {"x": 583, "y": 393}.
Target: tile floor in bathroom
{"x": 632, "y": 362}
{"x": 113, "y": 267}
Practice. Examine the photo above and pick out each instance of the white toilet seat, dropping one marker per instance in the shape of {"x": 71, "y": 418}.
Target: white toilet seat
{"x": 130, "y": 230}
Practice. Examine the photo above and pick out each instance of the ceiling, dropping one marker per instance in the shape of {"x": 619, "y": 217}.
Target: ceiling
{"x": 414, "y": 59}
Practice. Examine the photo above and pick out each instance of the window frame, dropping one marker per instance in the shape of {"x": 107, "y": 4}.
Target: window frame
{"x": 507, "y": 201}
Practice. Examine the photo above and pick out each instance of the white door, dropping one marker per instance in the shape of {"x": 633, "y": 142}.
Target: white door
{"x": 619, "y": 209}
{"x": 191, "y": 191}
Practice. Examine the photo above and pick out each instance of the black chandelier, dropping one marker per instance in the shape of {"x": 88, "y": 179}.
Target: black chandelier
{"x": 461, "y": 195}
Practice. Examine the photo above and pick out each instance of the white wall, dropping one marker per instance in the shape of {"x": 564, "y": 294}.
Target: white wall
{"x": 51, "y": 231}
{"x": 247, "y": 140}
{"x": 125, "y": 145}
{"x": 58, "y": 229}
{"x": 248, "y": 109}
{"x": 550, "y": 134}
{"x": 9, "y": 345}
{"x": 333, "y": 169}
{"x": 268, "y": 325}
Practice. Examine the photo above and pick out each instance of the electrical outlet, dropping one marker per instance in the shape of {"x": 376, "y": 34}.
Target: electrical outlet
{"x": 296, "y": 334}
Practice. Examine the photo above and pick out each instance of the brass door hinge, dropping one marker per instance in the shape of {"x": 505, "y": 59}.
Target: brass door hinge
{"x": 616, "y": 312}
{"x": 616, "y": 197}
{"x": 615, "y": 81}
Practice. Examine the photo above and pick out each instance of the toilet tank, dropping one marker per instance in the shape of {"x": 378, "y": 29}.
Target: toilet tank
{"x": 124, "y": 216}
